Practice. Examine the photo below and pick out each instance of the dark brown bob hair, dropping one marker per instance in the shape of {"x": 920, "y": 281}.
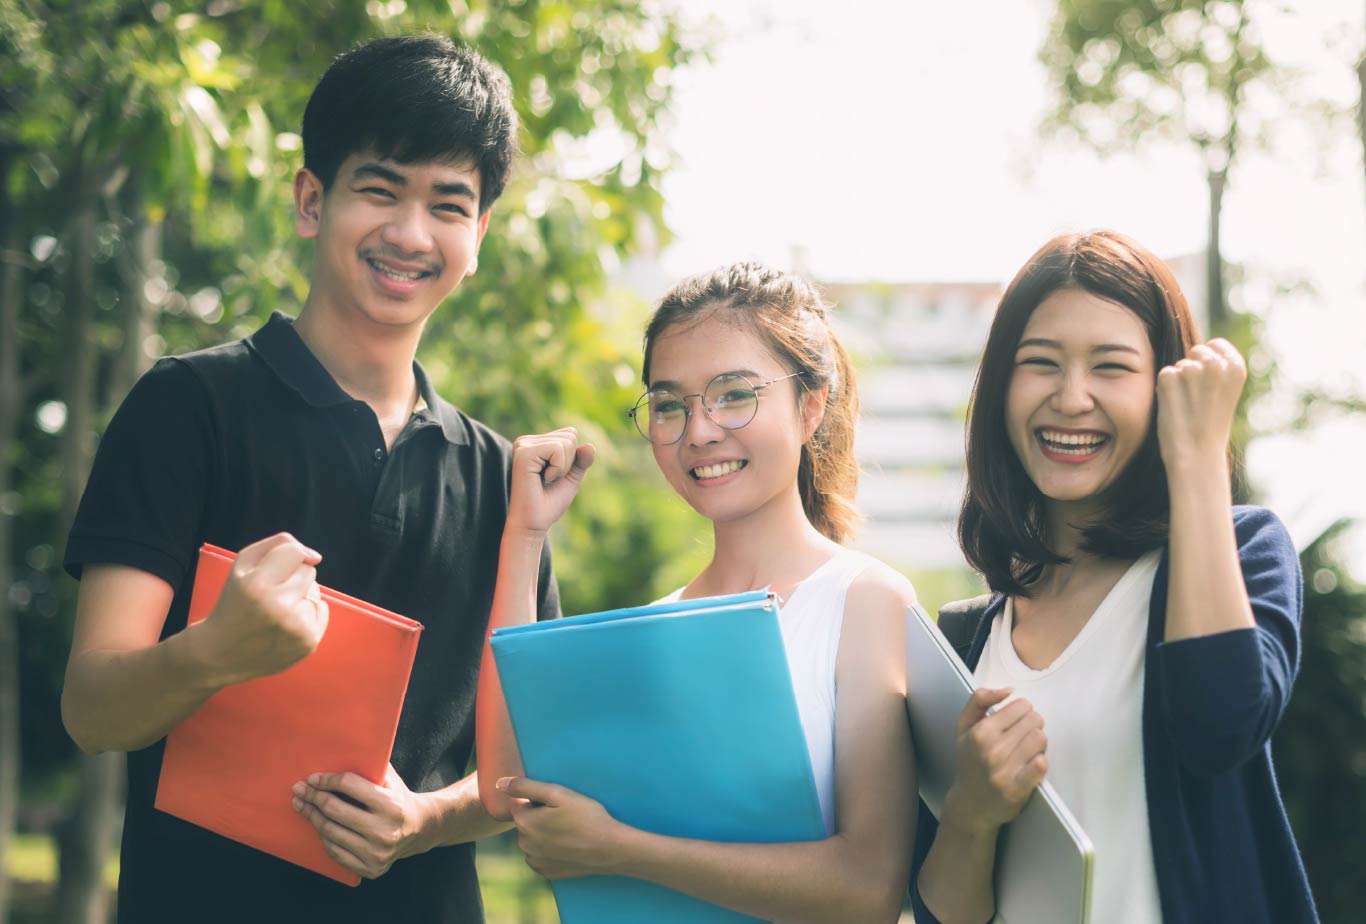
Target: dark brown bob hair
{"x": 1001, "y": 526}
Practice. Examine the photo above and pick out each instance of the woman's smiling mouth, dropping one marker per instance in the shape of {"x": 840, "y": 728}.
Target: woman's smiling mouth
{"x": 1067, "y": 446}
{"x": 716, "y": 470}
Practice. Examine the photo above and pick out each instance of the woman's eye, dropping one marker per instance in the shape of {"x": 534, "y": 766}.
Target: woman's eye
{"x": 1113, "y": 367}
{"x": 1036, "y": 361}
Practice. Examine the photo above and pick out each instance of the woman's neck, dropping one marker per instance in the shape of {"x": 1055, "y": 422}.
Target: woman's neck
{"x": 1066, "y": 525}
{"x": 775, "y": 546}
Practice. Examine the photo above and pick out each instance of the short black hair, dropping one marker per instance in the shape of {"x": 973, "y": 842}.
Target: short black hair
{"x": 412, "y": 98}
{"x": 1001, "y": 526}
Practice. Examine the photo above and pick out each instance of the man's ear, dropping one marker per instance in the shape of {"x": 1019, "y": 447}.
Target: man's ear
{"x": 813, "y": 411}
{"x": 308, "y": 203}
{"x": 479, "y": 239}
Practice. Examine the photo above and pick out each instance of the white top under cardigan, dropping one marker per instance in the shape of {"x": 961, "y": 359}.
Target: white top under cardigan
{"x": 811, "y": 620}
{"x": 1091, "y": 699}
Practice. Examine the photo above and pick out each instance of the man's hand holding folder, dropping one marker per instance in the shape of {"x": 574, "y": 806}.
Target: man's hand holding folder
{"x": 365, "y": 826}
{"x": 314, "y": 685}
{"x": 270, "y": 616}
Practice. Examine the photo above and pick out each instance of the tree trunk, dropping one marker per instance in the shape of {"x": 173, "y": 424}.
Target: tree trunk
{"x": 86, "y": 836}
{"x": 1216, "y": 309}
{"x": 138, "y": 311}
{"x": 11, "y": 290}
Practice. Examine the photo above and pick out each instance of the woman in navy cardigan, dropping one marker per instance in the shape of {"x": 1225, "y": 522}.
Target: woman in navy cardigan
{"x": 1154, "y": 626}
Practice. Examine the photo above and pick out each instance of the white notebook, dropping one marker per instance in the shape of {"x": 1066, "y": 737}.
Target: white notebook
{"x": 1043, "y": 857}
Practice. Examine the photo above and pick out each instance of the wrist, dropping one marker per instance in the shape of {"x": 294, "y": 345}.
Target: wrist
{"x": 427, "y": 826}
{"x": 200, "y": 651}
{"x": 523, "y": 539}
{"x": 626, "y": 850}
{"x": 1202, "y": 476}
{"x": 965, "y": 823}
{"x": 1196, "y": 462}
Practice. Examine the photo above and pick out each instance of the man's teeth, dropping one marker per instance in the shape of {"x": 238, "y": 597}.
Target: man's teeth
{"x": 1077, "y": 444}
{"x": 717, "y": 470}
{"x": 394, "y": 274}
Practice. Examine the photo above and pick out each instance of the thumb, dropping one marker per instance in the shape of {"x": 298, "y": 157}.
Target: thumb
{"x": 520, "y": 787}
{"x": 583, "y": 461}
{"x": 979, "y": 705}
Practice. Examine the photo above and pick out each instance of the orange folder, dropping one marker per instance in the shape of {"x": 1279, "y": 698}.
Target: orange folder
{"x": 230, "y": 765}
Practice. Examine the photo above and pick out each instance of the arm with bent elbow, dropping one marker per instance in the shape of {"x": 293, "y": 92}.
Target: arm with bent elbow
{"x": 858, "y": 874}
{"x": 999, "y": 762}
{"x": 125, "y": 690}
{"x": 547, "y": 470}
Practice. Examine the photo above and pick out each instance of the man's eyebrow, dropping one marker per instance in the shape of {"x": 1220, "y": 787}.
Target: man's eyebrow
{"x": 1098, "y": 348}
{"x": 380, "y": 172}
{"x": 463, "y": 190}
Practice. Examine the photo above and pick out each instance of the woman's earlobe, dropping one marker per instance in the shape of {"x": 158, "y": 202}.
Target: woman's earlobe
{"x": 813, "y": 411}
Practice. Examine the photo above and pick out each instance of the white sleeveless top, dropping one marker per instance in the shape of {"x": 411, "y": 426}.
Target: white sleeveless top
{"x": 811, "y": 619}
{"x": 1091, "y": 698}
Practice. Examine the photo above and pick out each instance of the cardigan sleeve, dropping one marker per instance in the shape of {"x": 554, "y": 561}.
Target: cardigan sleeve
{"x": 1223, "y": 694}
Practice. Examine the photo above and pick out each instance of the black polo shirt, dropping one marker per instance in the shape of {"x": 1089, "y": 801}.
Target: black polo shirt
{"x": 232, "y": 444}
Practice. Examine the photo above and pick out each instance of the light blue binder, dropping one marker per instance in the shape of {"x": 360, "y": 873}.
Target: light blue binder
{"x": 680, "y": 719}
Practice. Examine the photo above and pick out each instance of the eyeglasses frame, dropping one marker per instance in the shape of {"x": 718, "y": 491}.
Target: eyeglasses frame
{"x": 687, "y": 405}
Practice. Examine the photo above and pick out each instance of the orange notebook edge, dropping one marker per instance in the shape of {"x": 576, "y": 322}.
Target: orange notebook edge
{"x": 184, "y": 769}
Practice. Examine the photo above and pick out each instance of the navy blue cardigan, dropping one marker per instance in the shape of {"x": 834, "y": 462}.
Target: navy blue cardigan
{"x": 1222, "y": 845}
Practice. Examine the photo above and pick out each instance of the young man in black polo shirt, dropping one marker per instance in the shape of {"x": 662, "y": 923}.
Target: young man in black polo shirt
{"x": 318, "y": 448}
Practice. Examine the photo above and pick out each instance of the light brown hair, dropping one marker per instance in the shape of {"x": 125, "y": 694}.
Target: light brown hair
{"x": 789, "y": 316}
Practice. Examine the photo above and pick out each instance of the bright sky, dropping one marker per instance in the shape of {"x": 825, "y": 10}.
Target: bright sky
{"x": 898, "y": 141}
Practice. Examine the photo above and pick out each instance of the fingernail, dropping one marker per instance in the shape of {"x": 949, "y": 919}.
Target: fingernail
{"x": 298, "y": 805}
{"x": 502, "y": 784}
{"x": 298, "y": 789}
{"x": 315, "y": 779}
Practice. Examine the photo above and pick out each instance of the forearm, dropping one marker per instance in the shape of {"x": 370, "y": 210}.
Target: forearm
{"x": 116, "y": 700}
{"x": 456, "y": 815}
{"x": 1206, "y": 594}
{"x": 955, "y": 881}
{"x": 809, "y": 881}
{"x": 514, "y": 603}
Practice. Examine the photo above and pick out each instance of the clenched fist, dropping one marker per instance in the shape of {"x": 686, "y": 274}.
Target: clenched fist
{"x": 547, "y": 470}
{"x": 271, "y": 613}
{"x": 1196, "y": 401}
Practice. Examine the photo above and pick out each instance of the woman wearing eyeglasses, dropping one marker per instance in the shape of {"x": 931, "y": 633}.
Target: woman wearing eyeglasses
{"x": 750, "y": 406}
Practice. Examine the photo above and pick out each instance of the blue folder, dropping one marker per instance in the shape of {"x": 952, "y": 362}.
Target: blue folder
{"x": 680, "y": 719}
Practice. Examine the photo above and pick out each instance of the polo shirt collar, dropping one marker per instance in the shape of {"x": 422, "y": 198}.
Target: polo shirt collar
{"x": 284, "y": 352}
{"x": 452, "y": 425}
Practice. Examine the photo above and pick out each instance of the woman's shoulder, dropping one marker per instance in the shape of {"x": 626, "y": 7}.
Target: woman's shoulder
{"x": 878, "y": 586}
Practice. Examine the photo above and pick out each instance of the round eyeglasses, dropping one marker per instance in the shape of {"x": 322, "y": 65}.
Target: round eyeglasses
{"x": 730, "y": 401}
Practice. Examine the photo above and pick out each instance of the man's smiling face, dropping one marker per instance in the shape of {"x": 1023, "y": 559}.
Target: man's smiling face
{"x": 393, "y": 240}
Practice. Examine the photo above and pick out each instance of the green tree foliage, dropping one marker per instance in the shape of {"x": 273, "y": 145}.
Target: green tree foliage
{"x": 1320, "y": 747}
{"x": 146, "y": 152}
{"x": 1123, "y": 74}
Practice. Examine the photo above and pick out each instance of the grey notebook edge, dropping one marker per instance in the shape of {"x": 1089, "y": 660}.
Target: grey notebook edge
{"x": 948, "y": 680}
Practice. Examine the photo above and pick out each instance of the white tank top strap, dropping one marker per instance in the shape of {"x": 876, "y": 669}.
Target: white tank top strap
{"x": 812, "y": 620}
